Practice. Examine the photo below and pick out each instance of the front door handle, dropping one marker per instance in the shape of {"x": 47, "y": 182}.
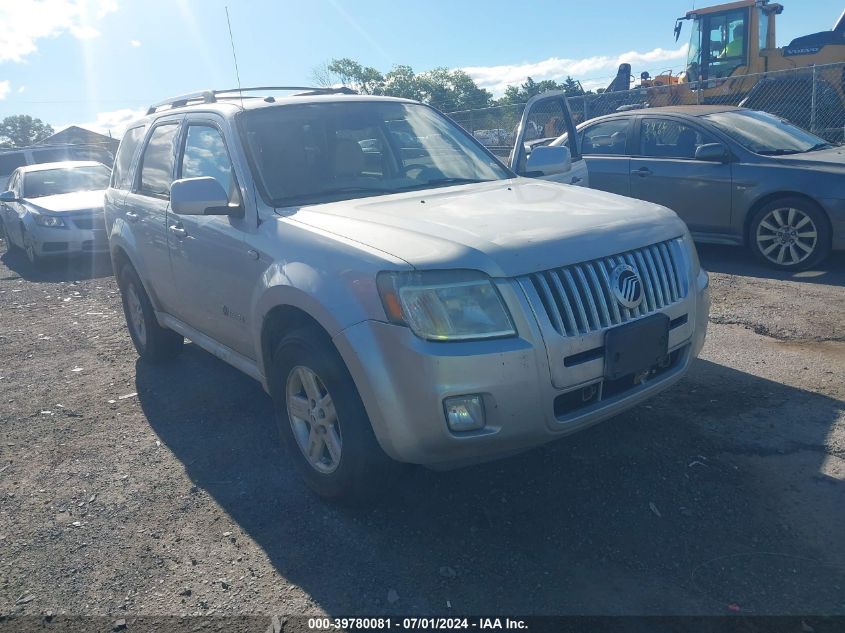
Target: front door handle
{"x": 178, "y": 231}
{"x": 131, "y": 216}
{"x": 642, "y": 172}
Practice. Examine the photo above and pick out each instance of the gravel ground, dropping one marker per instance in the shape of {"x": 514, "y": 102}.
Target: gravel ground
{"x": 128, "y": 490}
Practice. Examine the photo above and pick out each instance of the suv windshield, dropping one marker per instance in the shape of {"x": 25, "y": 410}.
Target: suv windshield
{"x": 50, "y": 182}
{"x": 321, "y": 152}
{"x": 764, "y": 133}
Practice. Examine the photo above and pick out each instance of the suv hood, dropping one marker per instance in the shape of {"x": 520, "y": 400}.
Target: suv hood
{"x": 64, "y": 202}
{"x": 504, "y": 228}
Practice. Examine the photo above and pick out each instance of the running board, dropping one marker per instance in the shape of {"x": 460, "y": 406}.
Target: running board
{"x": 226, "y": 354}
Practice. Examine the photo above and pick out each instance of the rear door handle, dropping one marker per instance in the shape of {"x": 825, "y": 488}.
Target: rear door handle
{"x": 178, "y": 231}
{"x": 642, "y": 172}
{"x": 131, "y": 216}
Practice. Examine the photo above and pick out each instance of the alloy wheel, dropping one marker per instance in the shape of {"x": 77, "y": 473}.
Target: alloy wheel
{"x": 313, "y": 419}
{"x": 787, "y": 236}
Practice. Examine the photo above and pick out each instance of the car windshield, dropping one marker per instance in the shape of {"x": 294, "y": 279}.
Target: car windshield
{"x": 322, "y": 152}
{"x": 764, "y": 133}
{"x": 50, "y": 182}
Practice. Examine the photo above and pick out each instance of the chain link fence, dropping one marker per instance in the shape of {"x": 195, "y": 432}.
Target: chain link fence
{"x": 811, "y": 97}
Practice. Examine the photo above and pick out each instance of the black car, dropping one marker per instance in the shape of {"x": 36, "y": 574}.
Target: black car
{"x": 734, "y": 175}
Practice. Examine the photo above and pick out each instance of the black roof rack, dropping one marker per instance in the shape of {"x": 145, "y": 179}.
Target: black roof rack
{"x": 212, "y": 96}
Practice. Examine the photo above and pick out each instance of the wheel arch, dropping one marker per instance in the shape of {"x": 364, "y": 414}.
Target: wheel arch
{"x": 277, "y": 322}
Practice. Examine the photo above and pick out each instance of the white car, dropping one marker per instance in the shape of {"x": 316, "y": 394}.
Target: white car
{"x": 55, "y": 209}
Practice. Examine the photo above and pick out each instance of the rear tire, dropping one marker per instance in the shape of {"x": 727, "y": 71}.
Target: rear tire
{"x": 322, "y": 420}
{"x": 790, "y": 233}
{"x": 154, "y": 343}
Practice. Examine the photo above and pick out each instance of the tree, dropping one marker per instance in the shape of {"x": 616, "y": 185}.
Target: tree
{"x": 22, "y": 130}
{"x": 364, "y": 79}
{"x": 449, "y": 90}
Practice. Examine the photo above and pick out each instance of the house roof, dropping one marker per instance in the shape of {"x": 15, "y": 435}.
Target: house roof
{"x": 76, "y": 135}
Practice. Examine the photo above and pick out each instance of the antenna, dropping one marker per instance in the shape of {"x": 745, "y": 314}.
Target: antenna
{"x": 234, "y": 56}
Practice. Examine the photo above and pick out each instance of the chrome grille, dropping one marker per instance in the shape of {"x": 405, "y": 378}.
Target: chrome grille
{"x": 578, "y": 298}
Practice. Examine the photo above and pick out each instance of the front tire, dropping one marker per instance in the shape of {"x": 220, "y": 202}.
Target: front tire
{"x": 153, "y": 342}
{"x": 29, "y": 249}
{"x": 790, "y": 234}
{"x": 322, "y": 420}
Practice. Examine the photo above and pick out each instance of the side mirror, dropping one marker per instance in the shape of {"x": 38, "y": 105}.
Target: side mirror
{"x": 8, "y": 196}
{"x": 712, "y": 152}
{"x": 200, "y": 196}
{"x": 548, "y": 161}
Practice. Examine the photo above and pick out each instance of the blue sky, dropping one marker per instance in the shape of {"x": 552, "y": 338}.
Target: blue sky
{"x": 97, "y": 62}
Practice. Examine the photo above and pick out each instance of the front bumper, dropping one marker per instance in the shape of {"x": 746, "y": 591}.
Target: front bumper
{"x": 403, "y": 381}
{"x": 69, "y": 239}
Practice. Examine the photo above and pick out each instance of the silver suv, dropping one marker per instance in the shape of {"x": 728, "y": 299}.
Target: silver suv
{"x": 401, "y": 294}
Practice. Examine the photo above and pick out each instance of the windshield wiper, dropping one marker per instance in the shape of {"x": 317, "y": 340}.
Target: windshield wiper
{"x": 819, "y": 146}
{"x": 779, "y": 152}
{"x": 307, "y": 198}
{"x": 437, "y": 182}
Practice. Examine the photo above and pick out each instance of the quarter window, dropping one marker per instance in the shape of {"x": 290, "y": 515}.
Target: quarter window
{"x": 157, "y": 162}
{"x": 607, "y": 137}
{"x": 667, "y": 138}
{"x": 121, "y": 178}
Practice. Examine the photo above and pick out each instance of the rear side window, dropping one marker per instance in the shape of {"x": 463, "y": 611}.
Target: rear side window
{"x": 121, "y": 178}
{"x": 157, "y": 162}
{"x": 607, "y": 137}
{"x": 11, "y": 161}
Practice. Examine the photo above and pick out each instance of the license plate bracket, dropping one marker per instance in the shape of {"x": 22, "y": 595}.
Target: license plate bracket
{"x": 634, "y": 347}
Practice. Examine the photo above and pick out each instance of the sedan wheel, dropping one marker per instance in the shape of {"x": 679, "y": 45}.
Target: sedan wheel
{"x": 790, "y": 234}
{"x": 787, "y": 236}
{"x": 313, "y": 419}
{"x": 29, "y": 249}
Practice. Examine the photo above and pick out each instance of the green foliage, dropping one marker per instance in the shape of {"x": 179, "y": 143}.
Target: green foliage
{"x": 521, "y": 94}
{"x": 22, "y": 130}
{"x": 448, "y": 90}
{"x": 445, "y": 89}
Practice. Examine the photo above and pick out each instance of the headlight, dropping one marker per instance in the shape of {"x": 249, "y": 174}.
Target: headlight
{"x": 455, "y": 305}
{"x": 48, "y": 220}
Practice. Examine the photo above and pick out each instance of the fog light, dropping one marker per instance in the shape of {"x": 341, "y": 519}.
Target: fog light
{"x": 464, "y": 413}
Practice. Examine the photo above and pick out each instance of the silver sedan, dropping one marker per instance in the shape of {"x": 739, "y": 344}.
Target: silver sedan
{"x": 55, "y": 209}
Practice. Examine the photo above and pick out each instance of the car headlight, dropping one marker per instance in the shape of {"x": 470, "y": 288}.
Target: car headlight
{"x": 453, "y": 305}
{"x": 51, "y": 221}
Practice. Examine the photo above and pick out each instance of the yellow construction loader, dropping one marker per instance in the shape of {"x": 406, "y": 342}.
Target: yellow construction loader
{"x": 733, "y": 58}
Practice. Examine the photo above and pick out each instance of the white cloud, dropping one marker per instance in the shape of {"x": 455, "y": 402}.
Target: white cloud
{"x": 114, "y": 121}
{"x": 24, "y": 22}
{"x": 21, "y": 89}
{"x": 5, "y": 87}
{"x": 135, "y": 43}
{"x": 587, "y": 69}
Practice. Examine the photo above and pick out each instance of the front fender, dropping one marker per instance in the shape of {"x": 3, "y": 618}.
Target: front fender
{"x": 335, "y": 301}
